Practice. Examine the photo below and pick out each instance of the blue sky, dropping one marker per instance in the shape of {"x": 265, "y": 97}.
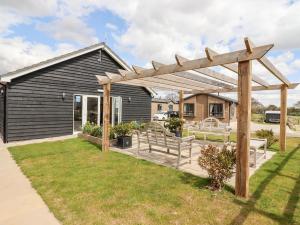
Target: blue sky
{"x": 141, "y": 31}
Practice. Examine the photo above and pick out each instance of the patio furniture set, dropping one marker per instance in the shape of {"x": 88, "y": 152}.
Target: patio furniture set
{"x": 155, "y": 135}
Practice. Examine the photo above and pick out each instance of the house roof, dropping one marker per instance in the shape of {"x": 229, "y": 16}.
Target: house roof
{"x": 26, "y": 70}
{"x": 215, "y": 96}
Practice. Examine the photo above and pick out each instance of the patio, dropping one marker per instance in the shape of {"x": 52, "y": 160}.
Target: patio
{"x": 159, "y": 156}
{"x": 195, "y": 76}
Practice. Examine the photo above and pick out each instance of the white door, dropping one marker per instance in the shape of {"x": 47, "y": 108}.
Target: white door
{"x": 90, "y": 109}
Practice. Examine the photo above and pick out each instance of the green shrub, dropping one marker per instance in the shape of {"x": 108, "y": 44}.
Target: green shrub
{"x": 88, "y": 127}
{"x": 96, "y": 131}
{"x": 136, "y": 125}
{"x": 122, "y": 129}
{"x": 267, "y": 134}
{"x": 173, "y": 124}
{"x": 219, "y": 164}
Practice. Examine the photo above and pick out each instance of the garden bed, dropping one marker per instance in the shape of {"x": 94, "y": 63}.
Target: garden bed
{"x": 96, "y": 140}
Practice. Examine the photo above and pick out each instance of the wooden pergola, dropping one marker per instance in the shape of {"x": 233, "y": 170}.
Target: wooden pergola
{"x": 194, "y": 76}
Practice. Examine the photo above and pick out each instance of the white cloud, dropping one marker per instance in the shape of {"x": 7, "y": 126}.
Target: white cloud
{"x": 111, "y": 26}
{"x": 159, "y": 29}
{"x": 70, "y": 29}
{"x": 16, "y": 53}
{"x": 30, "y": 8}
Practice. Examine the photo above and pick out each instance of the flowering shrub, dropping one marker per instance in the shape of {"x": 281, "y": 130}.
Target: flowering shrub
{"x": 219, "y": 164}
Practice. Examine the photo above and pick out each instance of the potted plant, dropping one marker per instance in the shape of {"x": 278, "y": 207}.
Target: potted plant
{"x": 123, "y": 132}
{"x": 174, "y": 125}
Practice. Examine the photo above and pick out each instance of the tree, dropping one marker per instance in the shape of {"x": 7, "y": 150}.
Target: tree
{"x": 272, "y": 108}
{"x": 257, "y": 107}
{"x": 297, "y": 105}
{"x": 173, "y": 96}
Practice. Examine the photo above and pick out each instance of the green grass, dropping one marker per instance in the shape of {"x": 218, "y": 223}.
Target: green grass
{"x": 257, "y": 118}
{"x": 82, "y": 185}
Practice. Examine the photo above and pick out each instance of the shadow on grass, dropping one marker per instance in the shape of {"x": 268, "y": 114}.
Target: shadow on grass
{"x": 200, "y": 182}
{"x": 249, "y": 206}
{"x": 291, "y": 206}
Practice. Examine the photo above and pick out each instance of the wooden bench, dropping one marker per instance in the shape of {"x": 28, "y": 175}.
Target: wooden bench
{"x": 156, "y": 135}
{"x": 211, "y": 126}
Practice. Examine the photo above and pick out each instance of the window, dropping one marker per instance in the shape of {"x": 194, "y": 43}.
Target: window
{"x": 159, "y": 107}
{"x": 188, "y": 109}
{"x": 170, "y": 107}
{"x": 216, "y": 110}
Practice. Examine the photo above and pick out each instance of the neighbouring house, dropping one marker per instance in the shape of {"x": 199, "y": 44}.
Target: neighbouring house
{"x": 58, "y": 96}
{"x": 163, "y": 105}
{"x": 200, "y": 106}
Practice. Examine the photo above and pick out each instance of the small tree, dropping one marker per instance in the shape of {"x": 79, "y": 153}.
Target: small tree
{"x": 219, "y": 164}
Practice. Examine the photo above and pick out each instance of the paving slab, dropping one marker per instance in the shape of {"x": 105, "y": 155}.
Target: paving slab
{"x": 159, "y": 156}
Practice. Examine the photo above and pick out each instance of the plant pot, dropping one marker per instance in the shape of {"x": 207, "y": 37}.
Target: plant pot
{"x": 124, "y": 141}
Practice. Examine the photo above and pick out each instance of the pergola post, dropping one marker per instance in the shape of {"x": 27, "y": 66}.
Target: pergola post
{"x": 243, "y": 129}
{"x": 181, "y": 101}
{"x": 106, "y": 114}
{"x": 283, "y": 116}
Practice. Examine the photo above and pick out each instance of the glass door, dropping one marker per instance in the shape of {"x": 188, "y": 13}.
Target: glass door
{"x": 90, "y": 109}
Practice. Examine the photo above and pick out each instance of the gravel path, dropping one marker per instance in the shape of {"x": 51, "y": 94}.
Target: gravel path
{"x": 274, "y": 127}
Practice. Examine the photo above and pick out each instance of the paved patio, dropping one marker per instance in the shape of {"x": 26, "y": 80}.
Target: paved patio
{"x": 160, "y": 157}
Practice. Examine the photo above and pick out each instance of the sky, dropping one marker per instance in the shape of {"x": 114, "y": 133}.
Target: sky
{"x": 140, "y": 31}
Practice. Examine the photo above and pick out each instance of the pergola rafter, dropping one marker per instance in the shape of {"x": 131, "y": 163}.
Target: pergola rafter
{"x": 234, "y": 67}
{"x": 210, "y": 73}
{"x": 178, "y": 76}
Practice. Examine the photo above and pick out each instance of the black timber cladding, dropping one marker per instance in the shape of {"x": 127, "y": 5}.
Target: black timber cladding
{"x": 36, "y": 109}
{"x": 2, "y": 111}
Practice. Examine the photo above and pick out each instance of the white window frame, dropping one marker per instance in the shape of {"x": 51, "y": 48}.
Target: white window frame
{"x": 84, "y": 109}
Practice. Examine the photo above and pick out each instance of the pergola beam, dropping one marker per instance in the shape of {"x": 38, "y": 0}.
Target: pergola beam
{"x": 267, "y": 63}
{"x": 145, "y": 83}
{"x": 185, "y": 81}
{"x": 193, "y": 76}
{"x": 210, "y": 73}
{"x": 221, "y": 59}
{"x": 234, "y": 67}
{"x": 254, "y": 88}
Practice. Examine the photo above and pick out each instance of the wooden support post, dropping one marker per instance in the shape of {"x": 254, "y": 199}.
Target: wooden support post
{"x": 181, "y": 104}
{"x": 243, "y": 129}
{"x": 106, "y": 114}
{"x": 181, "y": 101}
{"x": 283, "y": 116}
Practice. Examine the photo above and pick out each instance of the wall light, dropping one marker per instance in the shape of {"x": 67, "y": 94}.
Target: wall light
{"x": 129, "y": 99}
{"x": 63, "y": 95}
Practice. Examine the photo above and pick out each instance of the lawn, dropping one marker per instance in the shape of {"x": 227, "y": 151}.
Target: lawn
{"x": 82, "y": 185}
